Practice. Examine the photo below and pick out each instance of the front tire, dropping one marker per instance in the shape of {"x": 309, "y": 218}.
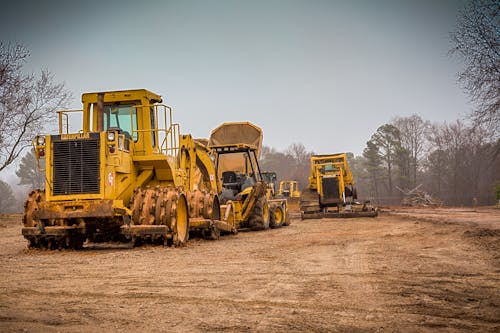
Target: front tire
{"x": 277, "y": 217}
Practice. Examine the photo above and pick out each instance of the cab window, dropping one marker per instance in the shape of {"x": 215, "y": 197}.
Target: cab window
{"x": 123, "y": 116}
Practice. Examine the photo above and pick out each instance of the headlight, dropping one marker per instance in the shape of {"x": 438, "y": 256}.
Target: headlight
{"x": 40, "y": 140}
{"x": 111, "y": 136}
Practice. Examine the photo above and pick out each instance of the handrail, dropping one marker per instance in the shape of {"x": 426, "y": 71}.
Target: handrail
{"x": 60, "y": 115}
{"x": 165, "y": 131}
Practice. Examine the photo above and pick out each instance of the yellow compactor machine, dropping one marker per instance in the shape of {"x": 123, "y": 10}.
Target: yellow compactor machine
{"x": 127, "y": 175}
{"x": 331, "y": 191}
{"x": 246, "y": 198}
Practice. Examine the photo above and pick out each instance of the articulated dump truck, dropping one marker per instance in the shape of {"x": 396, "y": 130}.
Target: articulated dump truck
{"x": 127, "y": 175}
{"x": 246, "y": 198}
{"x": 331, "y": 191}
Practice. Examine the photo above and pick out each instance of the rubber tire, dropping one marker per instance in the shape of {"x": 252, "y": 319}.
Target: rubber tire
{"x": 287, "y": 221}
{"x": 258, "y": 220}
{"x": 273, "y": 222}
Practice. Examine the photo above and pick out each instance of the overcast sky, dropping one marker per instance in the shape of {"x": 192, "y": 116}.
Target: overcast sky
{"x": 322, "y": 73}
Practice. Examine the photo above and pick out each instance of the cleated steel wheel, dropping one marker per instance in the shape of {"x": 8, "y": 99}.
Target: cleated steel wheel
{"x": 31, "y": 207}
{"x": 162, "y": 206}
{"x": 181, "y": 223}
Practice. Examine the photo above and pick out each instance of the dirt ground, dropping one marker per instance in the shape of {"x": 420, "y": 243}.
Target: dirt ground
{"x": 411, "y": 270}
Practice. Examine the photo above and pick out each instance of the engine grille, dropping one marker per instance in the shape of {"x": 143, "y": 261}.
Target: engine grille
{"x": 330, "y": 190}
{"x": 76, "y": 166}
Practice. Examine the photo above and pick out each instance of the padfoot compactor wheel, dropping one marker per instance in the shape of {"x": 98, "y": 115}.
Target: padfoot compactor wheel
{"x": 164, "y": 206}
{"x": 41, "y": 240}
{"x": 31, "y": 207}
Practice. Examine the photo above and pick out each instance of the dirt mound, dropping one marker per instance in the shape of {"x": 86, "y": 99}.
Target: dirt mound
{"x": 487, "y": 239}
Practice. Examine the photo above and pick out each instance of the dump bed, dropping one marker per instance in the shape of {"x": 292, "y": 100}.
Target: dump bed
{"x": 237, "y": 133}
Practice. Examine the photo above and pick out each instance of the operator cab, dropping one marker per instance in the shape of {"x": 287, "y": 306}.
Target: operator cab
{"x": 234, "y": 182}
{"x": 238, "y": 169}
{"x": 121, "y": 118}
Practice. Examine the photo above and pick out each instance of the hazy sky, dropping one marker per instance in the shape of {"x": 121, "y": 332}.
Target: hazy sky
{"x": 322, "y": 73}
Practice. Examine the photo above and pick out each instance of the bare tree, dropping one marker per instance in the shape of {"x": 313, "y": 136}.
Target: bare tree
{"x": 27, "y": 102}
{"x": 293, "y": 164}
{"x": 299, "y": 152}
{"x": 462, "y": 165}
{"x": 301, "y": 158}
{"x": 436, "y": 160}
{"x": 477, "y": 40}
{"x": 413, "y": 131}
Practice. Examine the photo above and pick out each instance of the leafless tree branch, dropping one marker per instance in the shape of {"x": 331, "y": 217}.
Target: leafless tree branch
{"x": 477, "y": 41}
{"x": 27, "y": 102}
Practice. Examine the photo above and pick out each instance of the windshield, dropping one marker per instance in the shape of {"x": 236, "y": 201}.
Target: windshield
{"x": 329, "y": 168}
{"x": 123, "y": 116}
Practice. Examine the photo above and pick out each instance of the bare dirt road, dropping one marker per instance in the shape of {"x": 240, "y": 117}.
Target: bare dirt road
{"x": 405, "y": 271}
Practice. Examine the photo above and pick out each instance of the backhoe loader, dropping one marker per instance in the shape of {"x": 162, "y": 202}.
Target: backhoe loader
{"x": 245, "y": 196}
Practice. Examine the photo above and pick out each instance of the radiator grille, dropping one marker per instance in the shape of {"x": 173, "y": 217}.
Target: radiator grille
{"x": 76, "y": 166}
{"x": 330, "y": 190}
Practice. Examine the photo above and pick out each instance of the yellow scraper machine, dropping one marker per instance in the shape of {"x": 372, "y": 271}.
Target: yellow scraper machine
{"x": 331, "y": 191}
{"x": 127, "y": 175}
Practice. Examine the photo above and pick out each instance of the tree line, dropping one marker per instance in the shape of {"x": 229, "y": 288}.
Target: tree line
{"x": 457, "y": 162}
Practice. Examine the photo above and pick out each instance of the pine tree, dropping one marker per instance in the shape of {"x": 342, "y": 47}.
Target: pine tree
{"x": 28, "y": 172}
{"x": 7, "y": 199}
{"x": 373, "y": 166}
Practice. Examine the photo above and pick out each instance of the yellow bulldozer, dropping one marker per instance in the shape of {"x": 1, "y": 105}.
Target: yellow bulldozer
{"x": 331, "y": 191}
{"x": 246, "y": 198}
{"x": 289, "y": 189}
{"x": 127, "y": 175}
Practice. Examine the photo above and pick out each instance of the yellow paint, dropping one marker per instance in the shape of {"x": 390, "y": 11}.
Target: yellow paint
{"x": 150, "y": 152}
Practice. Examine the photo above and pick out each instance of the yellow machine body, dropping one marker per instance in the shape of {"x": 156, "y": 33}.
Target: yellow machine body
{"x": 331, "y": 186}
{"x": 128, "y": 172}
{"x": 289, "y": 189}
{"x": 245, "y": 195}
{"x": 331, "y": 178}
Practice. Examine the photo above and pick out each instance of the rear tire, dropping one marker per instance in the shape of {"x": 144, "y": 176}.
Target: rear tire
{"x": 287, "y": 220}
{"x": 259, "y": 219}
